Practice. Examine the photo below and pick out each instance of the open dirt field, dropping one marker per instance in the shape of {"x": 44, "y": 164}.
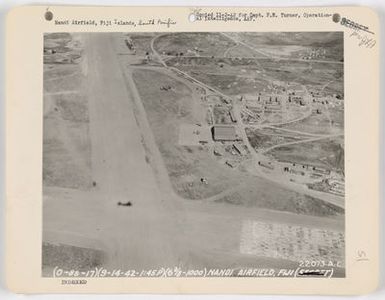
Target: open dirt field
{"x": 166, "y": 112}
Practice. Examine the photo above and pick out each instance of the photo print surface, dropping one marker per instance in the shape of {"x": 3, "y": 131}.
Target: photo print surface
{"x": 195, "y": 154}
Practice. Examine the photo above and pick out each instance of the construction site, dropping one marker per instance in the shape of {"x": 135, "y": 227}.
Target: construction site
{"x": 216, "y": 150}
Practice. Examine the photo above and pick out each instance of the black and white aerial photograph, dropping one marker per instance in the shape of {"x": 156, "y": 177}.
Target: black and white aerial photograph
{"x": 193, "y": 154}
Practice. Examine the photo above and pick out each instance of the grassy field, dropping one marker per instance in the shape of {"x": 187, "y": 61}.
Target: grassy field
{"x": 62, "y": 79}
{"x": 331, "y": 41}
{"x": 231, "y": 84}
{"x": 241, "y": 76}
{"x": 335, "y": 87}
{"x": 337, "y": 117}
{"x": 327, "y": 153}
{"x": 260, "y": 139}
{"x": 307, "y": 73}
{"x": 66, "y": 145}
{"x": 243, "y": 51}
{"x": 274, "y": 197}
{"x": 206, "y": 43}
{"x": 221, "y": 115}
{"x": 225, "y": 66}
{"x": 60, "y": 48}
{"x": 279, "y": 132}
{"x": 66, "y": 142}
{"x": 142, "y": 42}
{"x": 319, "y": 124}
{"x": 293, "y": 38}
{"x": 57, "y": 41}
{"x": 286, "y": 51}
{"x": 69, "y": 258}
{"x": 273, "y": 117}
{"x": 52, "y": 72}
